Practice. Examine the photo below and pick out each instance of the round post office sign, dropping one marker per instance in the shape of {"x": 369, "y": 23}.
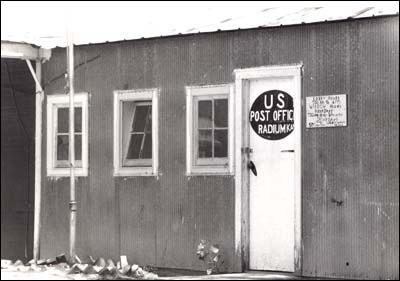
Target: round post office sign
{"x": 271, "y": 115}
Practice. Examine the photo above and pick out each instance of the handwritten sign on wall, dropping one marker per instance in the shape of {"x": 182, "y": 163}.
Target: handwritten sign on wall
{"x": 326, "y": 111}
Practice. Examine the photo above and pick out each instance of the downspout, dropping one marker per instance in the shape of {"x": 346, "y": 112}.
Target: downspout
{"x": 38, "y": 154}
{"x": 72, "y": 203}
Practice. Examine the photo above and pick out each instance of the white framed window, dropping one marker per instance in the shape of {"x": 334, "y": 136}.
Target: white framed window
{"x": 209, "y": 125}
{"x": 136, "y": 132}
{"x": 58, "y": 135}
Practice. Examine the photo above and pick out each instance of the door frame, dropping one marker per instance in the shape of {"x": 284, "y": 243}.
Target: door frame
{"x": 242, "y": 140}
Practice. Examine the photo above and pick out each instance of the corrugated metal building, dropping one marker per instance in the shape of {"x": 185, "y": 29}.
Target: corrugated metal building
{"x": 343, "y": 181}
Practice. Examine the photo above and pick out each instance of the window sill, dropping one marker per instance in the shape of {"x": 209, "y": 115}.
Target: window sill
{"x": 135, "y": 172}
{"x": 192, "y": 174}
{"x": 209, "y": 171}
{"x": 65, "y": 172}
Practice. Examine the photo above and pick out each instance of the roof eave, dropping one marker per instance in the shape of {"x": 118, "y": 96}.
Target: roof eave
{"x": 20, "y": 50}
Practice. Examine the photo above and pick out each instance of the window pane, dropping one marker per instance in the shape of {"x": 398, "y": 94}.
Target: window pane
{"x": 63, "y": 119}
{"x": 140, "y": 118}
{"x": 205, "y": 114}
{"x": 205, "y": 143}
{"x": 149, "y": 121}
{"x": 134, "y": 146}
{"x": 127, "y": 114}
{"x": 221, "y": 113}
{"x": 221, "y": 143}
{"x": 78, "y": 147}
{"x": 62, "y": 147}
{"x": 135, "y": 124}
{"x": 146, "y": 153}
{"x": 78, "y": 119}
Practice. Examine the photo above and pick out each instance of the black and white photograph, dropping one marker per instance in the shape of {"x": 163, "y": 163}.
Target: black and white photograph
{"x": 199, "y": 140}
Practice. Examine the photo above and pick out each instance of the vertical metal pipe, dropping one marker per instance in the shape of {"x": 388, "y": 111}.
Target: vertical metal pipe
{"x": 72, "y": 203}
{"x": 38, "y": 157}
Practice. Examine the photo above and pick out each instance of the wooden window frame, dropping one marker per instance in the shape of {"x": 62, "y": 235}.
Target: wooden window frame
{"x": 142, "y": 168}
{"x": 214, "y": 166}
{"x": 54, "y": 102}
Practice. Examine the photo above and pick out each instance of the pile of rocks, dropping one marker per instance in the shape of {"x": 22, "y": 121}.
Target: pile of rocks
{"x": 108, "y": 267}
{"x": 57, "y": 269}
{"x": 89, "y": 266}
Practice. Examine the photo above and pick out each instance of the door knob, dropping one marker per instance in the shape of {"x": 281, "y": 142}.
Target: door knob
{"x": 252, "y": 167}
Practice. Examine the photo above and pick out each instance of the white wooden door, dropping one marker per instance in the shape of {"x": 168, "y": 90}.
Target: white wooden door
{"x": 272, "y": 191}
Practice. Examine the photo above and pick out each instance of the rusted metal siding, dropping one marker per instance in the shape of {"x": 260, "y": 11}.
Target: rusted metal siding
{"x": 160, "y": 220}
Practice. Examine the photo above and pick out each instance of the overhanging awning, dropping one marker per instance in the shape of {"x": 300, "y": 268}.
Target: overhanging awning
{"x": 18, "y": 50}
{"x": 28, "y": 52}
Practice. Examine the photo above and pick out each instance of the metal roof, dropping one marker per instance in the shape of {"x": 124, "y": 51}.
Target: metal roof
{"x": 98, "y": 23}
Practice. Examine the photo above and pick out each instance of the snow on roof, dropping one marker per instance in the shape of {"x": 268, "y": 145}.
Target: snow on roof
{"x": 45, "y": 23}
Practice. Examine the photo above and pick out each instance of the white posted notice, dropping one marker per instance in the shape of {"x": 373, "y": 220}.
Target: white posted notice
{"x": 326, "y": 111}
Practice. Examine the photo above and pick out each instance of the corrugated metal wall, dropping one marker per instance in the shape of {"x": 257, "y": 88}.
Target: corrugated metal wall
{"x": 160, "y": 221}
{"x": 17, "y": 159}
{"x": 153, "y": 221}
{"x": 357, "y": 164}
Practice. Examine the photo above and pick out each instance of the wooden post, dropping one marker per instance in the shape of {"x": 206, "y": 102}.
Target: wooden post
{"x": 38, "y": 156}
{"x": 72, "y": 203}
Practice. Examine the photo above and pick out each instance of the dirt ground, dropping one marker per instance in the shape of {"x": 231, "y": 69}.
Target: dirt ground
{"x": 164, "y": 274}
{"x": 47, "y": 275}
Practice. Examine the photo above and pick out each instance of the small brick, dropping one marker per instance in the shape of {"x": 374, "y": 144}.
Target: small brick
{"x": 61, "y": 258}
{"x": 112, "y": 269}
{"x": 100, "y": 262}
{"x": 41, "y": 262}
{"x": 51, "y": 261}
{"x": 83, "y": 267}
{"x": 100, "y": 270}
{"x": 150, "y": 276}
{"x": 134, "y": 267}
{"x": 124, "y": 261}
{"x": 110, "y": 262}
{"x": 18, "y": 263}
{"x": 62, "y": 266}
{"x": 92, "y": 260}
{"x": 106, "y": 271}
{"x": 74, "y": 269}
{"x": 125, "y": 270}
{"x": 77, "y": 259}
{"x": 89, "y": 269}
{"x": 139, "y": 272}
{"x": 32, "y": 261}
